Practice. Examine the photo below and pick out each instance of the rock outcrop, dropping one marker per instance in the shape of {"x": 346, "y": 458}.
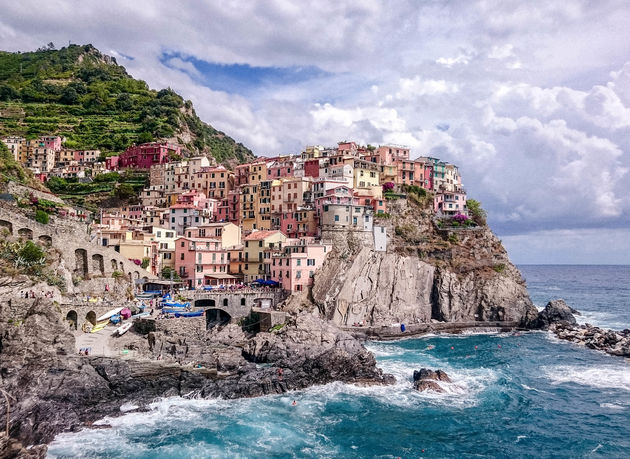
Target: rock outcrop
{"x": 555, "y": 311}
{"x": 425, "y": 379}
{"x": 558, "y": 318}
{"x": 426, "y": 275}
{"x": 610, "y": 341}
{"x": 55, "y": 389}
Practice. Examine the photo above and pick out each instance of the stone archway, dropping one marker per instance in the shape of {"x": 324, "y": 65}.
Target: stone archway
{"x": 80, "y": 262}
{"x": 46, "y": 240}
{"x": 114, "y": 265}
{"x": 91, "y": 317}
{"x": 215, "y": 316}
{"x": 205, "y": 304}
{"x": 97, "y": 264}
{"x": 72, "y": 319}
{"x": 122, "y": 267}
{"x": 225, "y": 302}
{"x": 136, "y": 275}
{"x": 25, "y": 233}
{"x": 8, "y": 225}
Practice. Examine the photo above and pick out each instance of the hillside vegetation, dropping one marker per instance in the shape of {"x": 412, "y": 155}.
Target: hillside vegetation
{"x": 84, "y": 95}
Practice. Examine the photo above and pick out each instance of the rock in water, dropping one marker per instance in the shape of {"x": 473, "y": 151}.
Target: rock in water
{"x": 424, "y": 379}
{"x": 425, "y": 373}
{"x": 556, "y": 311}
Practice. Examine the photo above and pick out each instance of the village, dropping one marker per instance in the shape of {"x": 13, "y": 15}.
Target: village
{"x": 267, "y": 222}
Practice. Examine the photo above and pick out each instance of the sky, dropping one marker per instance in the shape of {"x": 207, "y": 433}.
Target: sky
{"x": 530, "y": 99}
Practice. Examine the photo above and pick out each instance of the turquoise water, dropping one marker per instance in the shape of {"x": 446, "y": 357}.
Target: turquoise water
{"x": 511, "y": 396}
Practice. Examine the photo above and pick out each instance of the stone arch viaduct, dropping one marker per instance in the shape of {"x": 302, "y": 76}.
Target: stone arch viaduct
{"x": 80, "y": 255}
{"x": 235, "y": 304}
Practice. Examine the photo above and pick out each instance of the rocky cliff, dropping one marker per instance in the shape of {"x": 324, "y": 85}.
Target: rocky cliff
{"x": 53, "y": 389}
{"x": 426, "y": 274}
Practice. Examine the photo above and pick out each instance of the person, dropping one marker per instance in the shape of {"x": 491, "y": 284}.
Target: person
{"x": 294, "y": 403}
{"x": 107, "y": 287}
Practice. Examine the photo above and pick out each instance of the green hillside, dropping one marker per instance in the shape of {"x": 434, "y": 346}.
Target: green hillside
{"x": 81, "y": 94}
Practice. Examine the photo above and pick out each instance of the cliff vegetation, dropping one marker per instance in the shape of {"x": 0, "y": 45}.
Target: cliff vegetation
{"x": 81, "y": 94}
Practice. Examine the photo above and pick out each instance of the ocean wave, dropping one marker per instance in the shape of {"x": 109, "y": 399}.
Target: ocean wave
{"x": 607, "y": 377}
{"x": 612, "y": 406}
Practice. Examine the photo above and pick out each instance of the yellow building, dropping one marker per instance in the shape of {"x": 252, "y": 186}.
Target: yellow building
{"x": 366, "y": 174}
{"x": 257, "y": 172}
{"x": 228, "y": 233}
{"x": 254, "y": 252}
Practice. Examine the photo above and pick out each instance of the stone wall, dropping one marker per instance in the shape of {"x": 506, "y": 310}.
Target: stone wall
{"x": 79, "y": 254}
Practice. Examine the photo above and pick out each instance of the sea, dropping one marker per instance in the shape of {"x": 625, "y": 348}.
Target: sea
{"x": 511, "y": 395}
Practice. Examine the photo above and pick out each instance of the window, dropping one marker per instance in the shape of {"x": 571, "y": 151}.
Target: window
{"x": 336, "y": 218}
{"x": 298, "y": 274}
{"x": 182, "y": 244}
{"x": 181, "y": 256}
{"x": 299, "y": 262}
{"x": 260, "y": 243}
{"x": 310, "y": 262}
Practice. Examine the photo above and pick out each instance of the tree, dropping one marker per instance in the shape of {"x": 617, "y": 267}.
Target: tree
{"x": 476, "y": 211}
{"x": 166, "y": 273}
{"x": 69, "y": 96}
{"x": 125, "y": 191}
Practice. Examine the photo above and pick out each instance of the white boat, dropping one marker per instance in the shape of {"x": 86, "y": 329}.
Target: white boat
{"x": 108, "y": 314}
{"x": 123, "y": 329}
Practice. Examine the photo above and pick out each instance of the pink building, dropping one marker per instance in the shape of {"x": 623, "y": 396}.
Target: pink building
{"x": 281, "y": 167}
{"x": 450, "y": 203}
{"x": 146, "y": 155}
{"x": 347, "y": 147}
{"x": 293, "y": 265}
{"x": 201, "y": 262}
{"x": 379, "y": 205}
{"x": 388, "y": 154}
{"x": 112, "y": 163}
{"x": 52, "y": 142}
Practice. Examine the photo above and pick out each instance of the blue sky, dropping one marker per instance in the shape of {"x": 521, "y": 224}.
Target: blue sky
{"x": 530, "y": 99}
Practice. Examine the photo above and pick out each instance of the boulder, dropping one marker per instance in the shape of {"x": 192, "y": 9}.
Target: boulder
{"x": 425, "y": 379}
{"x": 425, "y": 373}
{"x": 555, "y": 312}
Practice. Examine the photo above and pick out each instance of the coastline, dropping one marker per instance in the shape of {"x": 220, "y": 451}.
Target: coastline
{"x": 384, "y": 333}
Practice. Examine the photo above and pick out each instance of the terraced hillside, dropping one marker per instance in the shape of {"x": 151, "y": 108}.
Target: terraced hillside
{"x": 84, "y": 95}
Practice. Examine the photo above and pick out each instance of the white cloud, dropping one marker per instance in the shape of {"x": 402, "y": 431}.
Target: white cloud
{"x": 532, "y": 100}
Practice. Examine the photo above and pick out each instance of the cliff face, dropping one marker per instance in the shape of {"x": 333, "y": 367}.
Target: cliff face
{"x": 425, "y": 275}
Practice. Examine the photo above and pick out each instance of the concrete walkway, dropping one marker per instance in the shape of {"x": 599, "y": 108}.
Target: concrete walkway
{"x": 99, "y": 341}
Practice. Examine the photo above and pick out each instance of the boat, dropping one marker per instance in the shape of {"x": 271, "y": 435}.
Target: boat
{"x": 108, "y": 314}
{"x": 173, "y": 311}
{"x": 174, "y": 304}
{"x": 98, "y": 327}
{"x": 189, "y": 314}
{"x": 141, "y": 314}
{"x": 123, "y": 329}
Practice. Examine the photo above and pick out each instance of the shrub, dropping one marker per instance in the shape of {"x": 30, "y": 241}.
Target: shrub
{"x": 500, "y": 267}
{"x": 452, "y": 238}
{"x": 32, "y": 253}
{"x": 478, "y": 214}
{"x": 41, "y": 217}
{"x": 388, "y": 186}
{"x": 117, "y": 275}
{"x": 145, "y": 263}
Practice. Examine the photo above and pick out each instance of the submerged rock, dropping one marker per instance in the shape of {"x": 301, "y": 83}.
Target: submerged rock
{"x": 425, "y": 379}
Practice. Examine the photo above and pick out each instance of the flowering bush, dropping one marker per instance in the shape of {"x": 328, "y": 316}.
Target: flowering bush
{"x": 388, "y": 186}
{"x": 460, "y": 218}
{"x": 137, "y": 262}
